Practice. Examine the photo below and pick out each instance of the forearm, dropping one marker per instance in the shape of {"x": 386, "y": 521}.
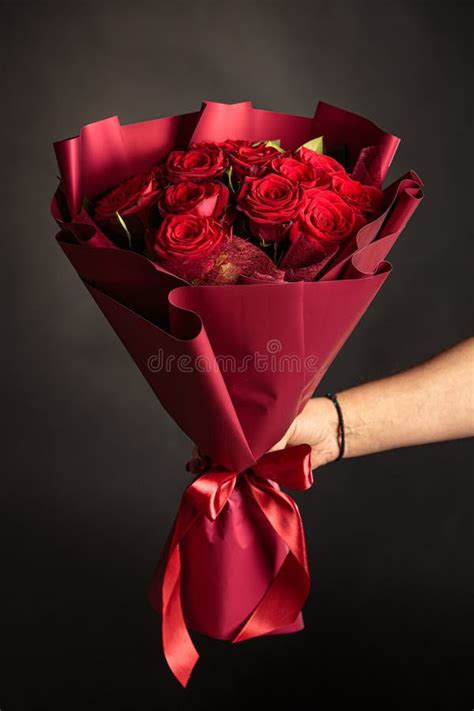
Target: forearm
{"x": 428, "y": 403}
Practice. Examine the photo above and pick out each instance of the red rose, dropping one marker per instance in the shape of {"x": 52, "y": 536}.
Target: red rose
{"x": 323, "y": 166}
{"x": 129, "y": 198}
{"x": 200, "y": 199}
{"x": 295, "y": 170}
{"x": 365, "y": 198}
{"x": 204, "y": 161}
{"x": 187, "y": 245}
{"x": 325, "y": 216}
{"x": 132, "y": 200}
{"x": 271, "y": 204}
{"x": 252, "y": 160}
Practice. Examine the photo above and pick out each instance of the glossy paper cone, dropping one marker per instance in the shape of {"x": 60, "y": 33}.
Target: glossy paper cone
{"x": 232, "y": 365}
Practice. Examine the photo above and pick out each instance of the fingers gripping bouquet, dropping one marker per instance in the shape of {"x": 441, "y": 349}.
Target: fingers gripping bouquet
{"x": 233, "y": 250}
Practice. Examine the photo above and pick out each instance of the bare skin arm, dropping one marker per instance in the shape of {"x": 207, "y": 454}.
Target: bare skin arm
{"x": 431, "y": 402}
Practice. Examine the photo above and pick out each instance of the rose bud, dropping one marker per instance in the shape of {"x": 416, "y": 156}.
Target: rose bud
{"x": 270, "y": 204}
{"x": 326, "y": 217}
{"x": 204, "y": 161}
{"x": 186, "y": 245}
{"x": 133, "y": 201}
{"x": 254, "y": 161}
{"x": 323, "y": 166}
{"x": 302, "y": 173}
{"x": 200, "y": 199}
{"x": 365, "y": 198}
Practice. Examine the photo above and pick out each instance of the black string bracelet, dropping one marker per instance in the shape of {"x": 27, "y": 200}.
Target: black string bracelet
{"x": 342, "y": 435}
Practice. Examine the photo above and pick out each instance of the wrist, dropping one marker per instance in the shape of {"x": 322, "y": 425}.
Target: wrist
{"x": 327, "y": 414}
{"x": 356, "y": 429}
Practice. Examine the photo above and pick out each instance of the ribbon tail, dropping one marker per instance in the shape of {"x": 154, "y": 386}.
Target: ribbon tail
{"x": 178, "y": 648}
{"x": 287, "y": 593}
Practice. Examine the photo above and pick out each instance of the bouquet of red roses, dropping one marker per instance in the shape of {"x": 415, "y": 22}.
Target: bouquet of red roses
{"x": 233, "y": 250}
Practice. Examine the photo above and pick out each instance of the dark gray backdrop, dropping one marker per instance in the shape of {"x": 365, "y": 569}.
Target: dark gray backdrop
{"x": 92, "y": 465}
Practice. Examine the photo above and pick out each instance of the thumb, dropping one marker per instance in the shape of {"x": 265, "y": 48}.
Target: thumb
{"x": 283, "y": 442}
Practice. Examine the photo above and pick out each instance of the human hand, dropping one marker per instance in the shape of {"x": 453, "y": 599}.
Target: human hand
{"x": 317, "y": 425}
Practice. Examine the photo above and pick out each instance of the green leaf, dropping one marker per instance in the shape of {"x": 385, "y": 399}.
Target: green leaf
{"x": 125, "y": 228}
{"x": 316, "y": 145}
{"x": 228, "y": 172}
{"x": 275, "y": 144}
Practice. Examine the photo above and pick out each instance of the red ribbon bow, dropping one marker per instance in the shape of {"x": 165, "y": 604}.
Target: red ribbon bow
{"x": 206, "y": 496}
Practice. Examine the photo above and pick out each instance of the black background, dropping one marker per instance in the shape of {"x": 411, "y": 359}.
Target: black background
{"x": 92, "y": 465}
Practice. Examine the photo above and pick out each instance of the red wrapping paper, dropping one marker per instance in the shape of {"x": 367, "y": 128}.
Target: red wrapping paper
{"x": 221, "y": 568}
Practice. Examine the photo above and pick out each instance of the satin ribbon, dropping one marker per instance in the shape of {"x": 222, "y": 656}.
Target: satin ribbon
{"x": 206, "y": 496}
